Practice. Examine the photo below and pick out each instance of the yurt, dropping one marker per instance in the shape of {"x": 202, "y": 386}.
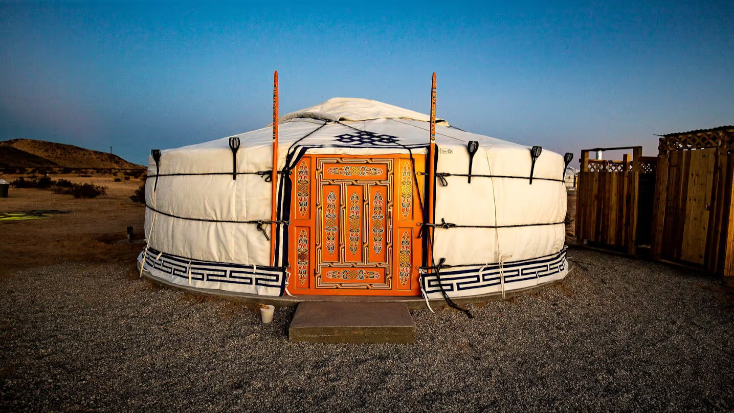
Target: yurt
{"x": 357, "y": 208}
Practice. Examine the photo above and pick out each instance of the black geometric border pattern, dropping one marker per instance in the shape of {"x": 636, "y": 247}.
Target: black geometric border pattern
{"x": 239, "y": 276}
{"x": 465, "y": 281}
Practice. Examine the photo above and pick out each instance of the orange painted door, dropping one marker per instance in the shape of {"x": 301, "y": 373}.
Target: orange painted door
{"x": 354, "y": 226}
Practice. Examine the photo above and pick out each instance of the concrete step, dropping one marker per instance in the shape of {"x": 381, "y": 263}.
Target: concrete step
{"x": 350, "y": 322}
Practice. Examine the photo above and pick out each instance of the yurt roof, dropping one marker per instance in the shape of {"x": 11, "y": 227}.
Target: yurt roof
{"x": 343, "y": 126}
{"x": 356, "y": 109}
{"x": 338, "y": 122}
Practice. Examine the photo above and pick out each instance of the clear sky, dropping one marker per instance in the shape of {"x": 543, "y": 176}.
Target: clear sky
{"x": 565, "y": 76}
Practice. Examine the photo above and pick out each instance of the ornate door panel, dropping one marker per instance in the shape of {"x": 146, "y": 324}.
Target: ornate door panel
{"x": 354, "y": 233}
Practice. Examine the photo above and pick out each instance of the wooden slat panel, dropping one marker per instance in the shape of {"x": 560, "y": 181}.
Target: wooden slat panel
{"x": 623, "y": 200}
{"x": 698, "y": 199}
{"x": 581, "y": 198}
{"x": 634, "y": 192}
{"x": 726, "y": 168}
{"x": 728, "y": 231}
{"x": 603, "y": 221}
{"x": 682, "y": 203}
{"x": 713, "y": 240}
{"x": 594, "y": 210}
{"x": 613, "y": 210}
{"x": 659, "y": 210}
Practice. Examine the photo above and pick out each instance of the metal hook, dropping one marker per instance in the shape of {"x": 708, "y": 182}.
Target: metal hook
{"x": 472, "y": 147}
{"x": 534, "y": 155}
{"x": 156, "y": 154}
{"x": 234, "y": 145}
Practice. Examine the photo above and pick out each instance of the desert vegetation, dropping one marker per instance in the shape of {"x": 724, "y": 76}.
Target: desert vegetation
{"x": 61, "y": 186}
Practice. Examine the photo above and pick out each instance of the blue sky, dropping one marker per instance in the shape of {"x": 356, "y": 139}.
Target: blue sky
{"x": 565, "y": 76}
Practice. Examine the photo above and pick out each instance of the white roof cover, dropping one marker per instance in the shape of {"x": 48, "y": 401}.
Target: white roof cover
{"x": 355, "y": 109}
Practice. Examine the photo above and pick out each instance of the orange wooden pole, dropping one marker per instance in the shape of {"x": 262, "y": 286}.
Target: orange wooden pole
{"x": 274, "y": 177}
{"x": 431, "y": 166}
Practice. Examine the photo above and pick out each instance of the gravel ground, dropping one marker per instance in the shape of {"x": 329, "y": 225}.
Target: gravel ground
{"x": 617, "y": 334}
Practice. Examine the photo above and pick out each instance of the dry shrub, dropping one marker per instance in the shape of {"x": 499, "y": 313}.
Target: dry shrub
{"x": 139, "y": 195}
{"x": 82, "y": 190}
{"x": 43, "y": 182}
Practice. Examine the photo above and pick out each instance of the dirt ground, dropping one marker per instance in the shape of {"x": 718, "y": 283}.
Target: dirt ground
{"x": 86, "y": 233}
{"x": 79, "y": 331}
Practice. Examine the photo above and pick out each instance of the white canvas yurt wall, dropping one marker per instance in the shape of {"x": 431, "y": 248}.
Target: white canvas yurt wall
{"x": 195, "y": 220}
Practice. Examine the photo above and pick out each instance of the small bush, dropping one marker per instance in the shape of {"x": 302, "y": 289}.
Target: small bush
{"x": 65, "y": 170}
{"x": 23, "y": 183}
{"x": 88, "y": 191}
{"x": 139, "y": 195}
{"x": 85, "y": 175}
{"x": 82, "y": 190}
{"x": 45, "y": 182}
{"x": 127, "y": 178}
{"x": 118, "y": 180}
{"x": 33, "y": 182}
{"x": 64, "y": 183}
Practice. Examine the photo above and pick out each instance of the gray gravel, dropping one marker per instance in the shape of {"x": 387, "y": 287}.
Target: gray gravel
{"x": 621, "y": 334}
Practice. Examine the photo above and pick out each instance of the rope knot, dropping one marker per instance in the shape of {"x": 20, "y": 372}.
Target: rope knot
{"x": 445, "y": 225}
{"x": 261, "y": 228}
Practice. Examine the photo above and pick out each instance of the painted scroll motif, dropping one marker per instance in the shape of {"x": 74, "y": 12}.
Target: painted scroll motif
{"x": 302, "y": 192}
{"x": 331, "y": 222}
{"x": 355, "y": 222}
{"x": 302, "y": 257}
{"x": 353, "y": 274}
{"x": 355, "y": 170}
{"x": 406, "y": 190}
{"x": 404, "y": 265}
{"x": 378, "y": 218}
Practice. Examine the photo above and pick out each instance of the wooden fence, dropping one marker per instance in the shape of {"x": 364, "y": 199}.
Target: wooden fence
{"x": 608, "y": 198}
{"x": 693, "y": 220}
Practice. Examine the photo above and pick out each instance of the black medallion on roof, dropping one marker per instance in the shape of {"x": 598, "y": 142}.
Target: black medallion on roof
{"x": 367, "y": 138}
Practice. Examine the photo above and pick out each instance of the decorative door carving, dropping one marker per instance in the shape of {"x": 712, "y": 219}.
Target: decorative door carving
{"x": 353, "y": 229}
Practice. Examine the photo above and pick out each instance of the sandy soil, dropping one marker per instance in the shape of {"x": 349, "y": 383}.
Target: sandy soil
{"x": 84, "y": 234}
{"x": 79, "y": 331}
{"x": 616, "y": 335}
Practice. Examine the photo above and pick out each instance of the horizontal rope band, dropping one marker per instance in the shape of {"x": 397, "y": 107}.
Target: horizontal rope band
{"x": 264, "y": 174}
{"x": 448, "y": 225}
{"x": 442, "y": 175}
{"x": 259, "y": 223}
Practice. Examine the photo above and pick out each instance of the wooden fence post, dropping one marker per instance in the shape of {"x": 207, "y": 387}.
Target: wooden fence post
{"x": 661, "y": 195}
{"x": 634, "y": 192}
{"x": 728, "y": 226}
{"x": 584, "y": 161}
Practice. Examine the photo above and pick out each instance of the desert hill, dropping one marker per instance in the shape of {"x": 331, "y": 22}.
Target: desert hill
{"x": 35, "y": 153}
{"x": 10, "y": 156}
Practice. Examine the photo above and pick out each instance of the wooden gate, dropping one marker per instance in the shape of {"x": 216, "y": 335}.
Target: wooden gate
{"x": 353, "y": 226}
{"x": 693, "y": 212}
{"x": 609, "y": 200}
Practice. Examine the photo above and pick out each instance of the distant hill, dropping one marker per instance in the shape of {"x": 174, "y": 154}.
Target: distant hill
{"x": 31, "y": 153}
{"x": 10, "y": 156}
